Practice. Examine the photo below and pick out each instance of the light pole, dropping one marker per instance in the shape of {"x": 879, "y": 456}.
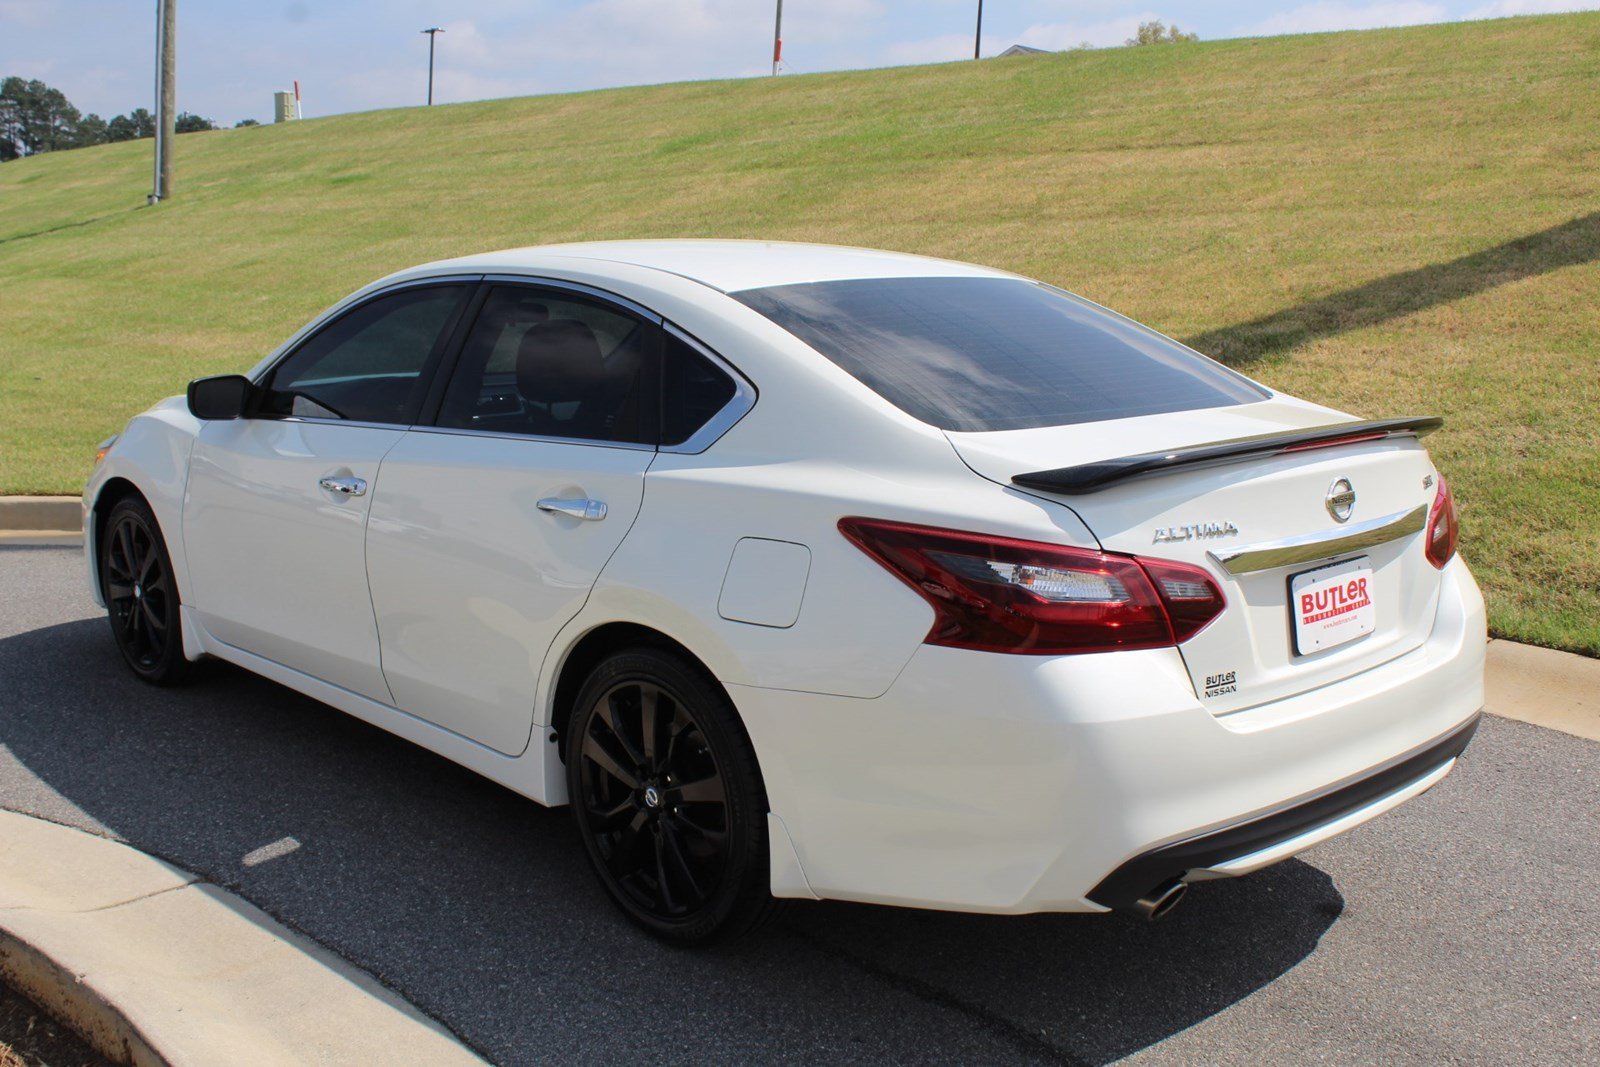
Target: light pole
{"x": 977, "y": 35}
{"x": 777, "y": 40}
{"x": 431, "y": 32}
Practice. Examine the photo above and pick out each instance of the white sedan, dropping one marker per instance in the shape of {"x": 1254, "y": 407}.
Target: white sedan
{"x": 814, "y": 572}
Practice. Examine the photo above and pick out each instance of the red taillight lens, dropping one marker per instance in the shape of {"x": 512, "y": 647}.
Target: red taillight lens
{"x": 1000, "y": 594}
{"x": 1443, "y": 529}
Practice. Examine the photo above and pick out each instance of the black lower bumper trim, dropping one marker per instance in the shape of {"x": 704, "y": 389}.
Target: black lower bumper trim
{"x": 1134, "y": 878}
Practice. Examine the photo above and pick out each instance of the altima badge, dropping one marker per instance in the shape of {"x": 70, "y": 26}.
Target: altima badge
{"x": 1341, "y": 500}
{"x": 1195, "y": 531}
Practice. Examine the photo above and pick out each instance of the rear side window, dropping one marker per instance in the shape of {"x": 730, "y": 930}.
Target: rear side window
{"x": 693, "y": 390}
{"x": 975, "y": 354}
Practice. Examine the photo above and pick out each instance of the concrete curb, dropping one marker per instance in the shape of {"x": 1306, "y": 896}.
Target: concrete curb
{"x": 41, "y": 516}
{"x": 153, "y": 966}
{"x": 1556, "y": 690}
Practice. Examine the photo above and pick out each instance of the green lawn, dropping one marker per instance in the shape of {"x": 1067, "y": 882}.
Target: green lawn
{"x": 1393, "y": 222}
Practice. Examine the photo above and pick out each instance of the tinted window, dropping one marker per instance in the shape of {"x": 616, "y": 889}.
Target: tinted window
{"x": 995, "y": 353}
{"x": 549, "y": 364}
{"x": 693, "y": 390}
{"x": 367, "y": 366}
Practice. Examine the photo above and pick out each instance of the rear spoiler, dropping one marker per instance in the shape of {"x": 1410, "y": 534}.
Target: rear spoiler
{"x": 1093, "y": 477}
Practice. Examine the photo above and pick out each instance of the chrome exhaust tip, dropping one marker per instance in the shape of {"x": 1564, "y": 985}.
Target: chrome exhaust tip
{"x": 1157, "y": 903}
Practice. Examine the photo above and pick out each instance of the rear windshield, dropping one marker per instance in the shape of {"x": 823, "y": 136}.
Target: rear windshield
{"x": 975, "y": 354}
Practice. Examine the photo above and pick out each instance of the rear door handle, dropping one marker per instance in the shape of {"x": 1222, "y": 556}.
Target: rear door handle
{"x": 345, "y": 486}
{"x": 587, "y": 510}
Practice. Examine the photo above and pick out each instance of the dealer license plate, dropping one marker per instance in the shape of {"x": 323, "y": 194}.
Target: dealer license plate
{"x": 1332, "y": 605}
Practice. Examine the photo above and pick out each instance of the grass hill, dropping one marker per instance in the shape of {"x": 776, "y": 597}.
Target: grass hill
{"x": 1392, "y": 222}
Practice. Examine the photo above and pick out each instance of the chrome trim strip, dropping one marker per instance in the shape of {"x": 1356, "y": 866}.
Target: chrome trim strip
{"x": 463, "y": 431}
{"x": 318, "y": 420}
{"x": 1309, "y": 548}
{"x": 573, "y": 287}
{"x": 744, "y": 398}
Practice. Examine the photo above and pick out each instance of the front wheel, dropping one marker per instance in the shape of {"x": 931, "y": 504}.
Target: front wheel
{"x": 142, "y": 594}
{"x": 668, "y": 797}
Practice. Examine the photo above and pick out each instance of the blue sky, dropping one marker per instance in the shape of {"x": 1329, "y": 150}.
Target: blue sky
{"x": 354, "y": 55}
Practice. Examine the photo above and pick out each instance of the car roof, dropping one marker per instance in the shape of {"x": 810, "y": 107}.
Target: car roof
{"x": 728, "y": 266}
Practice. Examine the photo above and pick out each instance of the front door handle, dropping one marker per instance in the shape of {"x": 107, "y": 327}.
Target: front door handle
{"x": 587, "y": 510}
{"x": 345, "y": 486}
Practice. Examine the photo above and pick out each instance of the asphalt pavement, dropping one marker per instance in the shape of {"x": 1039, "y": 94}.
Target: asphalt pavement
{"x": 1459, "y": 929}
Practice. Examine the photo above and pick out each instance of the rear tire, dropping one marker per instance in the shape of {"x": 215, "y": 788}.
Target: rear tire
{"x": 141, "y": 594}
{"x": 669, "y": 800}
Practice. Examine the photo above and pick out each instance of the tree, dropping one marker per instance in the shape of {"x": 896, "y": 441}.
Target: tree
{"x": 245, "y": 122}
{"x": 37, "y": 118}
{"x": 92, "y": 130}
{"x": 132, "y": 126}
{"x": 187, "y": 123}
{"x": 1156, "y": 33}
{"x": 121, "y": 128}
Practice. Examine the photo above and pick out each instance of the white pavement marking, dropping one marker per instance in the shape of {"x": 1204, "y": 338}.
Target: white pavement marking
{"x": 281, "y": 847}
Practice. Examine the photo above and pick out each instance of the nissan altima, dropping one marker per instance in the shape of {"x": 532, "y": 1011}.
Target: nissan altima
{"x": 813, "y": 572}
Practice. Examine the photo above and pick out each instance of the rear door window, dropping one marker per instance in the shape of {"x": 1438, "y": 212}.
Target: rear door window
{"x": 974, "y": 354}
{"x": 549, "y": 363}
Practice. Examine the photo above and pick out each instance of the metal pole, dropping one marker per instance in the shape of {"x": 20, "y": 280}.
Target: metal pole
{"x": 977, "y": 36}
{"x": 431, "y": 32}
{"x": 777, "y": 40}
{"x": 166, "y": 95}
{"x": 155, "y": 176}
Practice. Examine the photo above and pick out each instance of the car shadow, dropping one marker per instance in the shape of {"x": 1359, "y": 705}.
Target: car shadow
{"x": 478, "y": 906}
{"x": 1396, "y": 295}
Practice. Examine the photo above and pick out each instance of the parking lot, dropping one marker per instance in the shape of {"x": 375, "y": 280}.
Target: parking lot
{"x": 1458, "y": 929}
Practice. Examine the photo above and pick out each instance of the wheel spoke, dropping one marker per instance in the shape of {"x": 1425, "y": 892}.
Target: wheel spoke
{"x": 711, "y": 835}
{"x": 707, "y": 790}
{"x": 663, "y": 890}
{"x": 596, "y": 753}
{"x": 117, "y": 589}
{"x": 678, "y": 863}
{"x": 610, "y": 819}
{"x": 653, "y": 721}
{"x": 609, "y": 713}
{"x": 124, "y": 544}
{"x": 152, "y": 618}
{"x": 147, "y": 564}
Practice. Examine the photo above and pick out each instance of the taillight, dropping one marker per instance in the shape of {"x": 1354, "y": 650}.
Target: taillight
{"x": 1443, "y": 529}
{"x": 1001, "y": 594}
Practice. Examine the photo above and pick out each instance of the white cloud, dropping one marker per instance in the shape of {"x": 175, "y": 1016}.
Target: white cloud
{"x": 1321, "y": 17}
{"x": 1504, "y": 8}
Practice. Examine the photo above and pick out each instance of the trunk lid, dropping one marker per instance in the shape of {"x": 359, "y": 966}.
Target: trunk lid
{"x": 1205, "y": 514}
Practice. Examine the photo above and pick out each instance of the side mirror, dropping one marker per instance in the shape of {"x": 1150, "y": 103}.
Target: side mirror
{"x": 226, "y": 396}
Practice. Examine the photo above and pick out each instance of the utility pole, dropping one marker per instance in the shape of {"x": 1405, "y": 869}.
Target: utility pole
{"x": 166, "y": 95}
{"x": 977, "y": 36}
{"x": 432, "y": 31}
{"x": 777, "y": 40}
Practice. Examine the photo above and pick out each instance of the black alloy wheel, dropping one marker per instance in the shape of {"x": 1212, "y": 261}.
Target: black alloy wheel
{"x": 668, "y": 797}
{"x": 141, "y": 594}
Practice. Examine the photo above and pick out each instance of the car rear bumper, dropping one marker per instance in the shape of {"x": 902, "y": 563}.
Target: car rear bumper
{"x": 1242, "y": 846}
{"x": 1012, "y": 784}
